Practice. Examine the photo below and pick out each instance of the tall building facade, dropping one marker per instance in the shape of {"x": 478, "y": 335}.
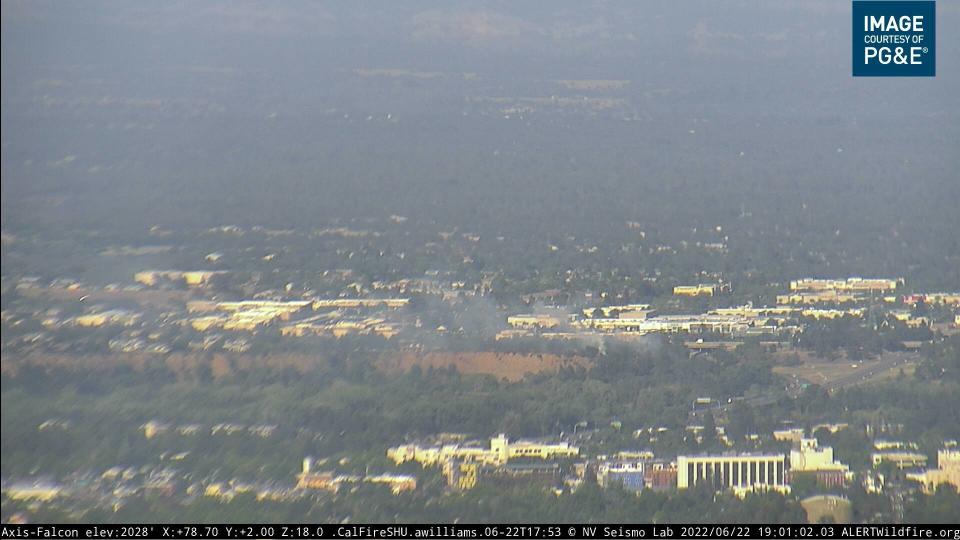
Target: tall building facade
{"x": 732, "y": 471}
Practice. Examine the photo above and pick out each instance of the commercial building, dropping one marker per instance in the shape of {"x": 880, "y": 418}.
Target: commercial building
{"x": 620, "y": 324}
{"x": 779, "y": 313}
{"x": 883, "y": 444}
{"x": 742, "y": 473}
{"x": 398, "y": 483}
{"x": 634, "y": 310}
{"x": 792, "y": 434}
{"x": 462, "y": 475}
{"x": 353, "y": 303}
{"x": 244, "y": 315}
{"x": 325, "y": 481}
{"x": 810, "y": 458}
{"x": 629, "y": 474}
{"x": 339, "y": 328}
{"x": 193, "y": 278}
{"x": 816, "y": 297}
{"x": 110, "y": 317}
{"x": 278, "y": 308}
{"x": 660, "y": 476}
{"x": 700, "y": 289}
{"x": 671, "y": 324}
{"x": 38, "y": 491}
{"x": 947, "y": 471}
{"x": 500, "y": 452}
{"x": 857, "y": 284}
{"x": 463, "y": 464}
{"x": 533, "y": 449}
{"x": 153, "y": 428}
{"x": 902, "y": 460}
{"x": 950, "y": 299}
{"x": 202, "y": 324}
{"x": 531, "y": 321}
{"x": 832, "y": 313}
{"x": 328, "y": 481}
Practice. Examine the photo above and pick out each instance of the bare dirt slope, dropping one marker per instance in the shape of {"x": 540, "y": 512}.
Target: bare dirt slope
{"x": 510, "y": 366}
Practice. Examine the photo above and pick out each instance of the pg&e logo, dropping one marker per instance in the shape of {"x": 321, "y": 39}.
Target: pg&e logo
{"x": 894, "y": 38}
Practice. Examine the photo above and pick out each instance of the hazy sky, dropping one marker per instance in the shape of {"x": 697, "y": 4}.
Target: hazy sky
{"x": 744, "y": 42}
{"x": 169, "y": 95}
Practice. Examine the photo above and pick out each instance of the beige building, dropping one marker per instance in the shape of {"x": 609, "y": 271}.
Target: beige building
{"x": 700, "y": 289}
{"x": 202, "y": 324}
{"x": 328, "y": 481}
{"x": 810, "y": 456}
{"x": 340, "y": 328}
{"x": 792, "y": 435}
{"x": 816, "y": 297}
{"x": 353, "y": 303}
{"x": 723, "y": 324}
{"x": 530, "y": 321}
{"x": 501, "y": 451}
{"x": 153, "y": 428}
{"x": 832, "y": 313}
{"x": 750, "y": 312}
{"x": 850, "y": 284}
{"x": 745, "y": 472}
{"x": 952, "y": 299}
{"x": 902, "y": 460}
{"x": 398, "y": 483}
{"x": 619, "y": 310}
{"x": 113, "y": 317}
{"x": 947, "y": 471}
{"x": 27, "y": 492}
{"x": 623, "y": 324}
{"x": 244, "y": 315}
{"x": 194, "y": 278}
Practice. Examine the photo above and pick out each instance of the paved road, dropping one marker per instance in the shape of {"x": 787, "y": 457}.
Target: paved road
{"x": 872, "y": 368}
{"x": 886, "y": 362}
